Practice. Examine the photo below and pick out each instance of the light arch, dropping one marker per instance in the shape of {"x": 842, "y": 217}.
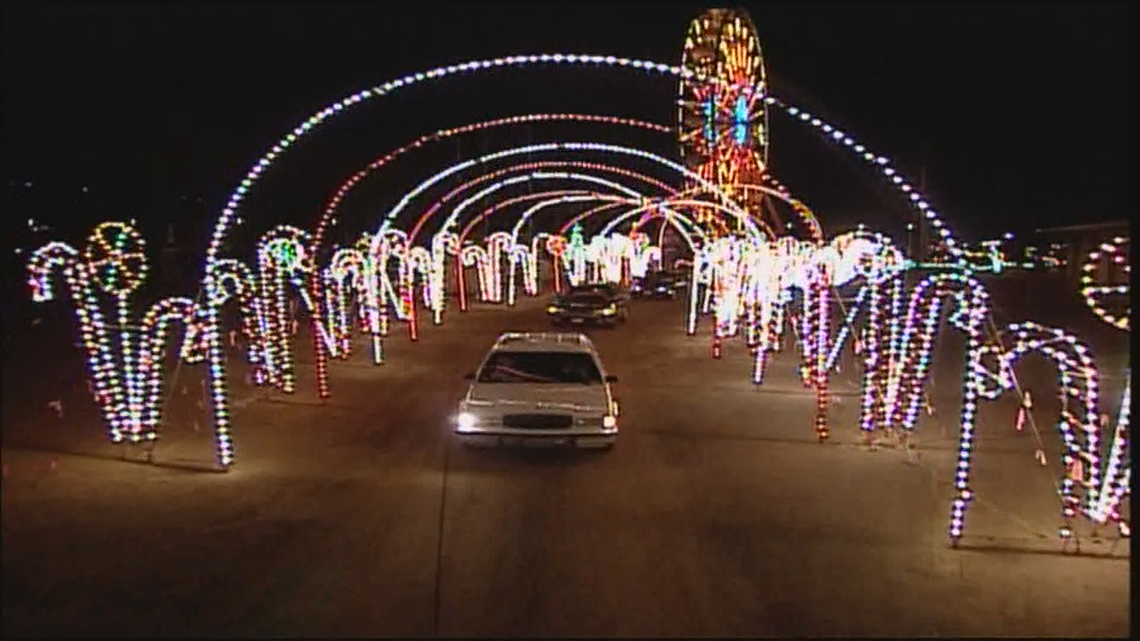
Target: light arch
{"x": 328, "y": 216}
{"x": 532, "y": 166}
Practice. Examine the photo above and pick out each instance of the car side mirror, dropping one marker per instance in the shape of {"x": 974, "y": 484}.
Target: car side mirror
{"x": 610, "y": 378}
{"x": 469, "y": 376}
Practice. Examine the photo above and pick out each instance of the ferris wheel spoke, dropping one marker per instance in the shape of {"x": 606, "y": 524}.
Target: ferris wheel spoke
{"x": 101, "y": 240}
{"x": 685, "y": 137}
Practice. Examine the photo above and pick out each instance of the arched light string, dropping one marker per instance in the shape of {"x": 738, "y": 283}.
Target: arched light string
{"x": 528, "y": 256}
{"x": 531, "y": 255}
{"x": 532, "y": 166}
{"x": 229, "y": 212}
{"x": 390, "y": 217}
{"x": 436, "y": 273}
{"x": 510, "y": 202}
{"x": 882, "y": 164}
{"x": 779, "y": 191}
{"x": 807, "y": 216}
{"x": 436, "y": 268}
{"x": 341, "y": 106}
{"x": 237, "y": 197}
{"x": 688, "y": 196}
{"x": 669, "y": 216}
{"x": 673, "y": 219}
{"x": 1109, "y": 255}
{"x": 328, "y": 217}
{"x": 670, "y": 203}
{"x": 392, "y": 214}
{"x": 478, "y": 258}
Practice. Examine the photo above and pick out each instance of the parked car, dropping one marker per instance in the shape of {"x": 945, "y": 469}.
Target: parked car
{"x": 545, "y": 386}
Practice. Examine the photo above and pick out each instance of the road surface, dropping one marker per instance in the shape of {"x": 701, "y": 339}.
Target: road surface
{"x": 717, "y": 513}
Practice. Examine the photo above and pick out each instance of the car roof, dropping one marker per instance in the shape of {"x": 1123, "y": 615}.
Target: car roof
{"x": 544, "y": 342}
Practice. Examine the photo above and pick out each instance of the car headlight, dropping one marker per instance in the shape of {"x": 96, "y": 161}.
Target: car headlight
{"x": 465, "y": 421}
{"x": 609, "y": 422}
{"x": 553, "y": 309}
{"x": 610, "y": 310}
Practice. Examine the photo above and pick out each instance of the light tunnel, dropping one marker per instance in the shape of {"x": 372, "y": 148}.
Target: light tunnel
{"x": 208, "y": 317}
{"x": 228, "y": 215}
{"x": 578, "y": 167}
{"x": 328, "y": 216}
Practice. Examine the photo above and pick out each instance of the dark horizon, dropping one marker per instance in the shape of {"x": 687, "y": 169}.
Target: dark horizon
{"x": 1011, "y": 114}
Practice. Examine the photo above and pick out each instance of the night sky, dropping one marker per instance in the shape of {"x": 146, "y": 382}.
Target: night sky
{"x": 1017, "y": 114}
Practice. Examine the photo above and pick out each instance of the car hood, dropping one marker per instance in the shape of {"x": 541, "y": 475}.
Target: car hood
{"x": 544, "y": 397}
{"x": 584, "y": 304}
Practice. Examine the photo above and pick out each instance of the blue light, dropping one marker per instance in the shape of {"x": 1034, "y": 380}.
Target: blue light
{"x": 710, "y": 111}
{"x": 740, "y": 120}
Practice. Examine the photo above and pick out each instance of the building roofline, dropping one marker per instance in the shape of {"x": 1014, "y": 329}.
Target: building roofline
{"x": 1113, "y": 224}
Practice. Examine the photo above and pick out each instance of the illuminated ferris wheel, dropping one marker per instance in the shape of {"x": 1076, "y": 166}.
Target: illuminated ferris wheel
{"x": 722, "y": 117}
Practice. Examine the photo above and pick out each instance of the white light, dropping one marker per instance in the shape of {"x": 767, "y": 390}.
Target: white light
{"x": 465, "y": 421}
{"x": 609, "y": 422}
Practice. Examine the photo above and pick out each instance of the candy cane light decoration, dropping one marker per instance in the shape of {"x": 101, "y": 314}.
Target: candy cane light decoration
{"x": 1089, "y": 487}
{"x": 282, "y": 259}
{"x": 126, "y": 361}
{"x": 1112, "y": 255}
{"x": 229, "y": 213}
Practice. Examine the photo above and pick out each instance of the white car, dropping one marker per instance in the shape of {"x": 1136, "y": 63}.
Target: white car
{"x": 541, "y": 386}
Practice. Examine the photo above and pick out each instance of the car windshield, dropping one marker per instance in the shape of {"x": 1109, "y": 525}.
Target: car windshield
{"x": 603, "y": 290}
{"x": 540, "y": 367}
{"x": 587, "y": 299}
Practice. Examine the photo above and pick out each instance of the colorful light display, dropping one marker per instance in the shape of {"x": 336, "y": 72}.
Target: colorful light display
{"x": 329, "y": 216}
{"x": 125, "y": 360}
{"x": 1086, "y": 488}
{"x": 229, "y": 215}
{"x": 1112, "y": 258}
{"x": 747, "y": 283}
{"x": 282, "y": 260}
{"x": 547, "y": 169}
{"x": 722, "y": 116}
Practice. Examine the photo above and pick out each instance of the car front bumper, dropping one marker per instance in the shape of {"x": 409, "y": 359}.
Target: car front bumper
{"x": 492, "y": 433}
{"x": 584, "y": 318}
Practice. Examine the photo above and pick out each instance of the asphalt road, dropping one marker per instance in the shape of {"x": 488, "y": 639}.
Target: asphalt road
{"x": 716, "y": 514}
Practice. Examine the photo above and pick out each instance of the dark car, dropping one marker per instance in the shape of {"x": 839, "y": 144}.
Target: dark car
{"x": 587, "y": 307}
{"x": 657, "y": 285}
{"x": 617, "y": 294}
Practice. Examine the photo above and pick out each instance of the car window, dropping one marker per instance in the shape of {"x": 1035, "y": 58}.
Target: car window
{"x": 540, "y": 367}
{"x": 587, "y": 299}
{"x": 604, "y": 290}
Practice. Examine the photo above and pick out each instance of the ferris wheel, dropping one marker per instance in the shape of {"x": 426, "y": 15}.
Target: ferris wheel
{"x": 722, "y": 117}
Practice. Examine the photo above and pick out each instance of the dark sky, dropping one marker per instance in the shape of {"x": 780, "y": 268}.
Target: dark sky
{"x": 1017, "y": 112}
